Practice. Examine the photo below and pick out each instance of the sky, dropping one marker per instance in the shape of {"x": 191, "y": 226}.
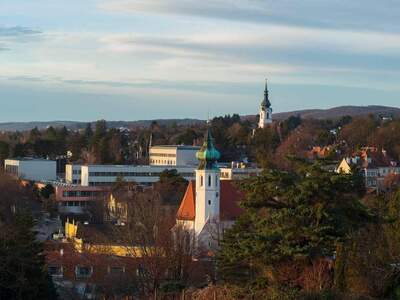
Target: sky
{"x": 85, "y": 60}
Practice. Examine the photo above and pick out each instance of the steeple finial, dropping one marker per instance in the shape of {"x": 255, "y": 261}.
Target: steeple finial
{"x": 208, "y": 154}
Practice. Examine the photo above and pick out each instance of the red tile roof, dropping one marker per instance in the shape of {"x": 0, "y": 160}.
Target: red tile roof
{"x": 230, "y": 196}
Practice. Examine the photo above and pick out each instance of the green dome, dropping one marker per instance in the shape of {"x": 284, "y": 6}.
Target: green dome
{"x": 208, "y": 154}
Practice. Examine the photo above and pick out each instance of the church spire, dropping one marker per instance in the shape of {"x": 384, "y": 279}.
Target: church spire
{"x": 266, "y": 103}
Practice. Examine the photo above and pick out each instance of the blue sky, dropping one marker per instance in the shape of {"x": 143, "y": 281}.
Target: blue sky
{"x": 144, "y": 59}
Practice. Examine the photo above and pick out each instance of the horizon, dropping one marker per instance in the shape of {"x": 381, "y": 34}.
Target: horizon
{"x": 195, "y": 119}
{"x": 171, "y": 59}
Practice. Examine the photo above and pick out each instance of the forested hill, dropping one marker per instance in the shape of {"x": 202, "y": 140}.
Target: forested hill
{"x": 331, "y": 113}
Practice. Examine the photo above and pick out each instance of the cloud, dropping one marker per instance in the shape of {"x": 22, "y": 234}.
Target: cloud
{"x": 357, "y": 14}
{"x": 17, "y": 34}
{"x": 18, "y": 31}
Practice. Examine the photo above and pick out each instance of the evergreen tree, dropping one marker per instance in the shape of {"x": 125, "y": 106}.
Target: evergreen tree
{"x": 291, "y": 219}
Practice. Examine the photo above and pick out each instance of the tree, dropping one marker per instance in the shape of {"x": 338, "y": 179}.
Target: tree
{"x": 47, "y": 191}
{"x": 291, "y": 219}
{"x": 22, "y": 268}
{"x": 171, "y": 187}
{"x": 4, "y": 151}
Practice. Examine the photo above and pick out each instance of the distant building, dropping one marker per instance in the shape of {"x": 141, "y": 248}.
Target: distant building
{"x": 76, "y": 199}
{"x": 171, "y": 155}
{"x": 209, "y": 205}
{"x": 265, "y": 110}
{"x": 374, "y": 164}
{"x": 73, "y": 174}
{"x": 32, "y": 169}
{"x": 238, "y": 171}
{"x": 95, "y": 175}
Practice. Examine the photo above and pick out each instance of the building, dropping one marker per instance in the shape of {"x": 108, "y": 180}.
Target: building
{"x": 170, "y": 155}
{"x": 209, "y": 205}
{"x": 95, "y": 175}
{"x": 374, "y": 164}
{"x": 73, "y": 174}
{"x": 76, "y": 199}
{"x": 265, "y": 110}
{"x": 32, "y": 169}
{"x": 238, "y": 171}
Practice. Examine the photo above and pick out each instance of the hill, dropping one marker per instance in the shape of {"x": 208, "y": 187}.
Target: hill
{"x": 331, "y": 113}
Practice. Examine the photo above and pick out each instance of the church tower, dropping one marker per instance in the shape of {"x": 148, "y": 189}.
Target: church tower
{"x": 207, "y": 185}
{"x": 265, "y": 110}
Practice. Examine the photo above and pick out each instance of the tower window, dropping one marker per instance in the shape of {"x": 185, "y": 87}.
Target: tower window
{"x": 209, "y": 202}
{"x": 209, "y": 180}
{"x": 201, "y": 180}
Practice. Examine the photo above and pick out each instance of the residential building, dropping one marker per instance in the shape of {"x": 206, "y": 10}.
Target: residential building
{"x": 265, "y": 110}
{"x": 374, "y": 164}
{"x": 32, "y": 169}
{"x": 209, "y": 205}
{"x": 173, "y": 155}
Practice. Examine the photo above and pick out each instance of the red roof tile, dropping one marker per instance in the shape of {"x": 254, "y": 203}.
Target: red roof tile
{"x": 230, "y": 196}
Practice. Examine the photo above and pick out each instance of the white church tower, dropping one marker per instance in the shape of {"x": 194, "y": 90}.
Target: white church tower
{"x": 207, "y": 186}
{"x": 265, "y": 110}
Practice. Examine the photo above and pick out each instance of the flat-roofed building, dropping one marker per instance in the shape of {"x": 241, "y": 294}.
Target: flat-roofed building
{"x": 238, "y": 171}
{"x": 76, "y": 199}
{"x": 173, "y": 155}
{"x": 32, "y": 169}
{"x": 98, "y": 175}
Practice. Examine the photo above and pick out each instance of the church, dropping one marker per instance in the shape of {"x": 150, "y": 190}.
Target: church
{"x": 210, "y": 205}
{"x": 265, "y": 110}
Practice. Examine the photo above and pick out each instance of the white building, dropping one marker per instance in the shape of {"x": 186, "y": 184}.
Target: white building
{"x": 265, "y": 110}
{"x": 171, "y": 155}
{"x": 31, "y": 169}
{"x": 209, "y": 205}
{"x": 73, "y": 174}
{"x": 95, "y": 175}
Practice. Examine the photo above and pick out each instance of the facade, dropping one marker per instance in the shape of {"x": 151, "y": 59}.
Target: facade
{"x": 374, "y": 164}
{"x": 238, "y": 171}
{"x": 209, "y": 205}
{"x": 73, "y": 174}
{"x": 265, "y": 110}
{"x": 170, "y": 155}
{"x": 75, "y": 199}
{"x": 98, "y": 175}
{"x": 31, "y": 169}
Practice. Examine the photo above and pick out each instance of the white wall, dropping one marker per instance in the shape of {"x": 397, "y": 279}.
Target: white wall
{"x": 34, "y": 169}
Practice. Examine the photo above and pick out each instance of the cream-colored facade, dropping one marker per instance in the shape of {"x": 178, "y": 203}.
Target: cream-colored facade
{"x": 170, "y": 155}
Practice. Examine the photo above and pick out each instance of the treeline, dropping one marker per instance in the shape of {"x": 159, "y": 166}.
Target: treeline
{"x": 235, "y": 137}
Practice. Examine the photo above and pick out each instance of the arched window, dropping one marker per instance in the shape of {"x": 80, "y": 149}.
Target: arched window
{"x": 209, "y": 180}
{"x": 209, "y": 202}
{"x": 201, "y": 180}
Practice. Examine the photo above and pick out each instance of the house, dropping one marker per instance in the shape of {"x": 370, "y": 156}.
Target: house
{"x": 374, "y": 164}
{"x": 210, "y": 205}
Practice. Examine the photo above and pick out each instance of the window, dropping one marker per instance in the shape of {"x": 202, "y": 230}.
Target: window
{"x": 209, "y": 202}
{"x": 201, "y": 180}
{"x": 55, "y": 271}
{"x": 216, "y": 181}
{"x": 209, "y": 180}
{"x": 83, "y": 272}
